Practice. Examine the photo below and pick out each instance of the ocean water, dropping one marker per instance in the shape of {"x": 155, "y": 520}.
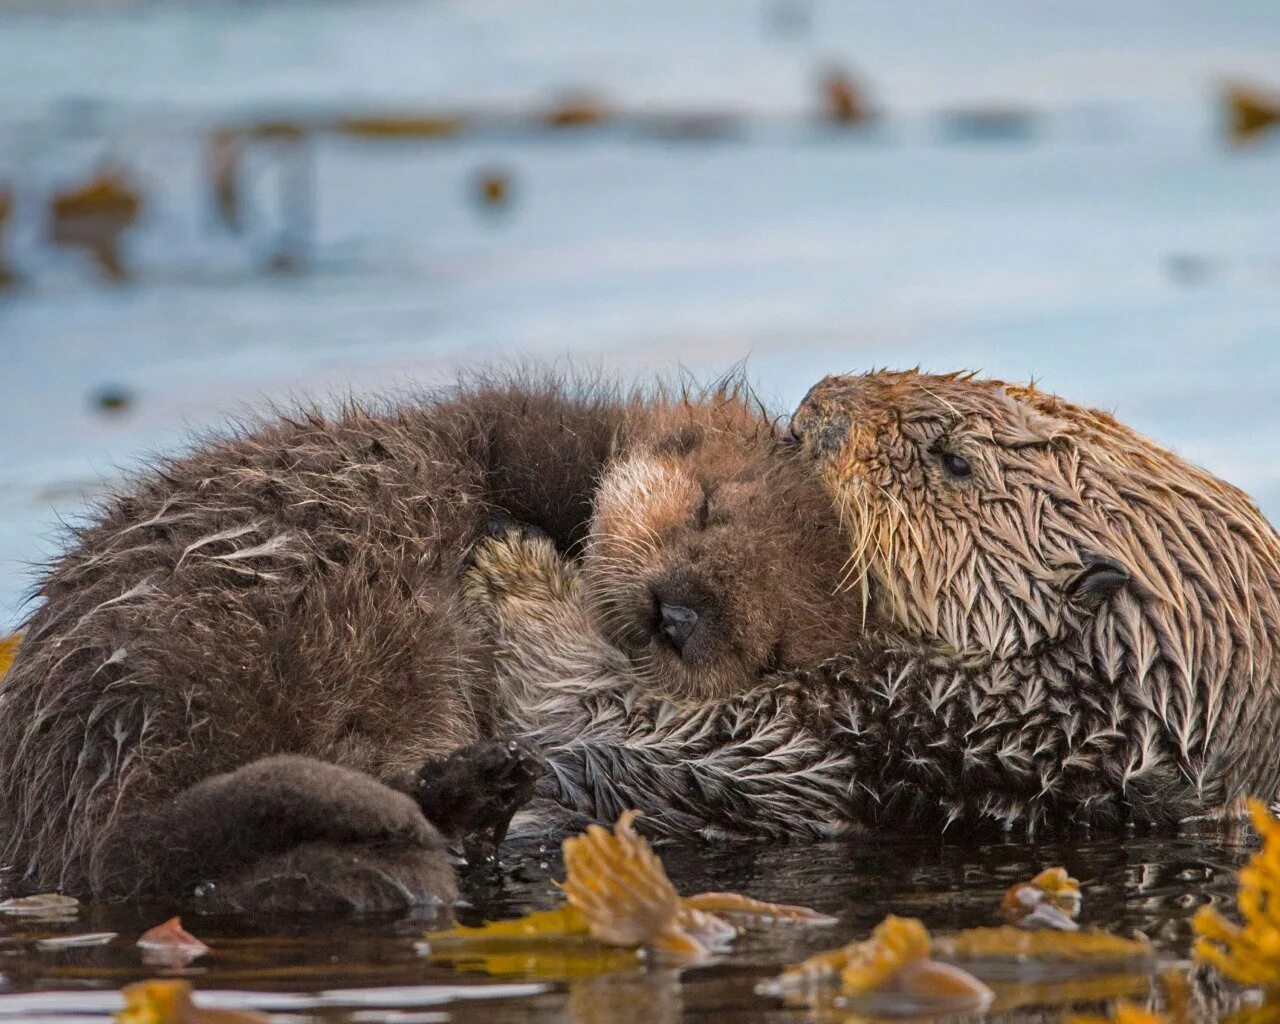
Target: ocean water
{"x": 1113, "y": 244}
{"x": 377, "y": 969}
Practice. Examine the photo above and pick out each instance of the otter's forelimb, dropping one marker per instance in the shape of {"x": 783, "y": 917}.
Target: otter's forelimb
{"x": 235, "y": 836}
{"x": 472, "y": 794}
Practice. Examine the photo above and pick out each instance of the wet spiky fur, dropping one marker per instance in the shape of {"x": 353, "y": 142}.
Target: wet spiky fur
{"x": 1080, "y": 630}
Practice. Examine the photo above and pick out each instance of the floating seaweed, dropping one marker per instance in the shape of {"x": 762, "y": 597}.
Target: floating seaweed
{"x": 8, "y": 276}
{"x": 892, "y": 972}
{"x": 577, "y": 111}
{"x": 401, "y": 126}
{"x": 170, "y": 945}
{"x": 843, "y": 100}
{"x": 168, "y": 1001}
{"x": 223, "y": 153}
{"x": 901, "y": 970}
{"x": 1250, "y": 112}
{"x": 1266, "y": 1013}
{"x": 1050, "y": 900}
{"x": 1125, "y": 1013}
{"x": 567, "y": 959}
{"x": 1177, "y": 992}
{"x": 619, "y": 895}
{"x": 45, "y": 906}
{"x": 59, "y": 942}
{"x": 1249, "y": 952}
{"x": 95, "y": 216}
{"x": 1067, "y": 990}
{"x": 1092, "y": 948}
{"x": 493, "y": 187}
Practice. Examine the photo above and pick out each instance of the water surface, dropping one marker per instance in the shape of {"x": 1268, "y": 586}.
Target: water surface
{"x": 1118, "y": 249}
{"x": 1132, "y": 884}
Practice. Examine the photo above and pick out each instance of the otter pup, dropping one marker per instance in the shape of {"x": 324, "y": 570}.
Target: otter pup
{"x": 256, "y": 666}
{"x": 1065, "y": 623}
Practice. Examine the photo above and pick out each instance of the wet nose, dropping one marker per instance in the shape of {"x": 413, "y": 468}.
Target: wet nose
{"x": 823, "y": 419}
{"x": 678, "y": 623}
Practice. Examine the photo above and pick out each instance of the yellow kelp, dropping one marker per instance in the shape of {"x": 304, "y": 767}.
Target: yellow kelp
{"x": 168, "y": 1001}
{"x": 1050, "y": 900}
{"x": 1125, "y": 1013}
{"x": 1068, "y": 990}
{"x": 1249, "y": 953}
{"x": 1088, "y": 948}
{"x": 891, "y": 972}
{"x": 619, "y": 895}
{"x": 1177, "y": 991}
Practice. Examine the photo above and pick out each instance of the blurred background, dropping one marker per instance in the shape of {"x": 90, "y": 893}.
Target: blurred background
{"x": 205, "y": 205}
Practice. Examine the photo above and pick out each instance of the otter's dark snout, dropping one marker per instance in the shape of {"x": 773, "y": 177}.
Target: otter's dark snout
{"x": 682, "y": 614}
{"x": 678, "y": 623}
{"x": 824, "y": 417}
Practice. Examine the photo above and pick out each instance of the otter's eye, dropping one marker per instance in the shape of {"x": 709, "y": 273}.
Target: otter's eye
{"x": 956, "y": 465}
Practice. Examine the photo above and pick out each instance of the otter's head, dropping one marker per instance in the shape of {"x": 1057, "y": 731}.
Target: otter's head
{"x": 999, "y": 521}
{"x": 715, "y": 554}
{"x": 996, "y": 523}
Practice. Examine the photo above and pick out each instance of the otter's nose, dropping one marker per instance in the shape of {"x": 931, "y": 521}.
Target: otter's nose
{"x": 678, "y": 623}
{"x": 823, "y": 419}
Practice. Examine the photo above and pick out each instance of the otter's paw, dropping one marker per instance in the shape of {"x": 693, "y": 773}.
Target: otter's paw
{"x": 332, "y": 878}
{"x": 518, "y": 567}
{"x": 472, "y": 794}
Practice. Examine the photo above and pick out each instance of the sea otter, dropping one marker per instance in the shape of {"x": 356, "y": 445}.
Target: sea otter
{"x": 1063, "y": 624}
{"x": 256, "y": 673}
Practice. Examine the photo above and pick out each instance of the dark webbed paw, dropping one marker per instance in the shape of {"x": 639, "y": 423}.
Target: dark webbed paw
{"x": 472, "y": 794}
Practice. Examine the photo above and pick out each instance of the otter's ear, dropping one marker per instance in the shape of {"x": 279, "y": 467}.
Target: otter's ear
{"x": 1101, "y": 577}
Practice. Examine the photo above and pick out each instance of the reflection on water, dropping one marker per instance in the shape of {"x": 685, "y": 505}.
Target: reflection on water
{"x": 1146, "y": 884}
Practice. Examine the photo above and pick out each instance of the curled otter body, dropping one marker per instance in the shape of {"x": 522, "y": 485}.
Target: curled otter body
{"x": 1064, "y": 624}
{"x": 257, "y": 666}
{"x": 250, "y": 663}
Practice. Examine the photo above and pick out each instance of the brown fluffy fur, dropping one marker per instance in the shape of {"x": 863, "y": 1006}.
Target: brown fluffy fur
{"x": 1080, "y": 630}
{"x": 254, "y": 656}
{"x": 287, "y": 590}
{"x": 715, "y": 512}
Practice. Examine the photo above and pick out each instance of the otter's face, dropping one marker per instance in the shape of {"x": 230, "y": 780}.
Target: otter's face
{"x": 715, "y": 557}
{"x": 978, "y": 519}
